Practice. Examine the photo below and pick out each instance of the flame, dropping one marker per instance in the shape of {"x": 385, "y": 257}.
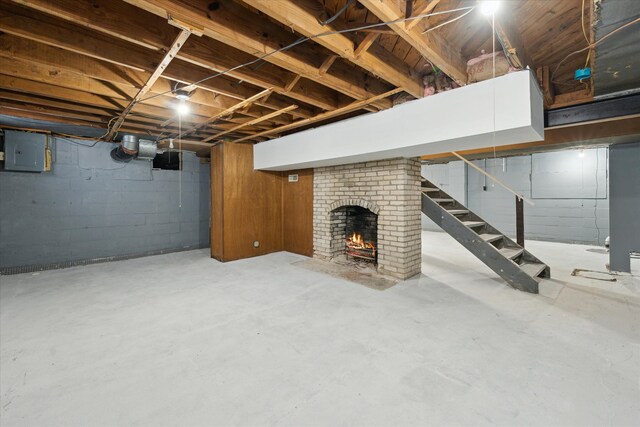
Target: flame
{"x": 356, "y": 241}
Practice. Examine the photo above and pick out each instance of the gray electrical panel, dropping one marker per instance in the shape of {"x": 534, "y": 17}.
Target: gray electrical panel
{"x": 24, "y": 151}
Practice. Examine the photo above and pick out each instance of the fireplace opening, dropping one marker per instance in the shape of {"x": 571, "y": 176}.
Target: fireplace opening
{"x": 354, "y": 233}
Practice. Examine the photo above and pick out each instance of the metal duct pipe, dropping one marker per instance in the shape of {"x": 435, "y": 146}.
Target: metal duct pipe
{"x": 146, "y": 150}
{"x": 126, "y": 150}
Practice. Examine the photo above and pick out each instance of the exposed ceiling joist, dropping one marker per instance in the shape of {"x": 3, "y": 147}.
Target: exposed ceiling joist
{"x": 430, "y": 45}
{"x": 303, "y": 17}
{"x": 320, "y": 117}
{"x": 365, "y": 44}
{"x": 511, "y": 40}
{"x": 199, "y": 57}
{"x": 226, "y": 112}
{"x": 251, "y": 122}
{"x": 232, "y": 24}
{"x": 97, "y": 97}
{"x": 423, "y": 8}
{"x": 168, "y": 57}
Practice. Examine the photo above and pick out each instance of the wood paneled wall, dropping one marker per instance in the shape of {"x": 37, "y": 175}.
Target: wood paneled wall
{"x": 250, "y": 206}
{"x": 297, "y": 212}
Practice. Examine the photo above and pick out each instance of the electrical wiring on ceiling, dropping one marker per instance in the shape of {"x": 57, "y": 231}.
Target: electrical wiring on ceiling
{"x": 312, "y": 37}
{"x": 315, "y": 36}
{"x": 338, "y": 13}
{"x": 428, "y": 30}
{"x": 591, "y": 46}
{"x": 584, "y": 32}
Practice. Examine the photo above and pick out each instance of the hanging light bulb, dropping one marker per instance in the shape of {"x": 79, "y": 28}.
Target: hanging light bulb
{"x": 182, "y": 107}
{"x": 489, "y": 7}
{"x": 171, "y": 143}
{"x": 581, "y": 153}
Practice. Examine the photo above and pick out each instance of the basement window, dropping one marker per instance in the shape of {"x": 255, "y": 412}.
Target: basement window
{"x": 168, "y": 161}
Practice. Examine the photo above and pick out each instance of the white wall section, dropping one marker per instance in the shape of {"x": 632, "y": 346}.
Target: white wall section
{"x": 459, "y": 119}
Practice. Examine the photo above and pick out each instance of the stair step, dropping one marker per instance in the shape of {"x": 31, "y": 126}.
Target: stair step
{"x": 533, "y": 269}
{"x": 511, "y": 253}
{"x": 473, "y": 224}
{"x": 458, "y": 211}
{"x": 487, "y": 237}
{"x": 429, "y": 189}
{"x": 443, "y": 200}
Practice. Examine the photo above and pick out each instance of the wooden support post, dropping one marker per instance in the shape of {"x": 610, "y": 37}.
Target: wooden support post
{"x": 519, "y": 221}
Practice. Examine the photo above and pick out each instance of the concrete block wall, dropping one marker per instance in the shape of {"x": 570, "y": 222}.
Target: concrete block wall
{"x": 89, "y": 206}
{"x": 571, "y": 200}
{"x": 389, "y": 188}
{"x": 452, "y": 178}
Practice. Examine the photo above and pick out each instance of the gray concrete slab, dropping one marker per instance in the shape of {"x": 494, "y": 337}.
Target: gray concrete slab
{"x": 181, "y": 339}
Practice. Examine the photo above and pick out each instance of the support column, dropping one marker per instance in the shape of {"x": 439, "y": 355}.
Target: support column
{"x": 624, "y": 204}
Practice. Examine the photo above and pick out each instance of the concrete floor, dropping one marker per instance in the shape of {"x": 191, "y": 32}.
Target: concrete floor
{"x": 181, "y": 339}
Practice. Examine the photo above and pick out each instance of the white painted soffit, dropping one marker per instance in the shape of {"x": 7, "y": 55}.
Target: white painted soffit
{"x": 460, "y": 119}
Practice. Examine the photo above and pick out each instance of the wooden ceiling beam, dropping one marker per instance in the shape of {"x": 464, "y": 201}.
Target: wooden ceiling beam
{"x": 216, "y": 56}
{"x": 212, "y": 56}
{"x": 63, "y": 78}
{"x": 18, "y": 109}
{"x": 12, "y": 47}
{"x": 81, "y": 99}
{"x": 168, "y": 57}
{"x": 233, "y": 25}
{"x": 303, "y": 17}
{"x": 365, "y": 44}
{"x": 56, "y": 62}
{"x": 105, "y": 112}
{"x": 432, "y": 46}
{"x": 226, "y": 112}
{"x": 251, "y": 122}
{"x": 544, "y": 78}
{"x": 322, "y": 116}
{"x": 423, "y": 8}
{"x": 511, "y": 40}
{"x": 110, "y": 17}
{"x": 23, "y": 85}
{"x": 571, "y": 98}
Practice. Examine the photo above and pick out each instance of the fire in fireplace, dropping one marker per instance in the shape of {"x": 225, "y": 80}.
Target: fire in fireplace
{"x": 354, "y": 233}
{"x": 359, "y": 248}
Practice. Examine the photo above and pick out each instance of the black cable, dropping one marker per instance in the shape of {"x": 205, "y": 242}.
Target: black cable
{"x": 305, "y": 39}
{"x": 338, "y": 13}
{"x": 57, "y": 136}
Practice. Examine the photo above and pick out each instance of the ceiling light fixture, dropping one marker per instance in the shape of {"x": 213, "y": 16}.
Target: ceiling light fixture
{"x": 182, "y": 108}
{"x": 489, "y": 7}
{"x": 183, "y": 96}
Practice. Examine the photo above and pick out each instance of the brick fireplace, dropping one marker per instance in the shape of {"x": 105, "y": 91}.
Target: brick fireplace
{"x": 384, "y": 195}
